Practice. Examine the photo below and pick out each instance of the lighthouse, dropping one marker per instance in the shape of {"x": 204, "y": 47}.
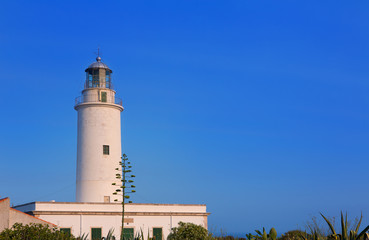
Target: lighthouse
{"x": 98, "y": 136}
{"x": 95, "y": 211}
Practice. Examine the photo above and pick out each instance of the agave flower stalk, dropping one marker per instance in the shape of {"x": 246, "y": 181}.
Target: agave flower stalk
{"x": 125, "y": 188}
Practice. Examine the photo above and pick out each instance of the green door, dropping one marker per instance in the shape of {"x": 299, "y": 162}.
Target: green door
{"x": 95, "y": 233}
{"x": 157, "y": 233}
{"x": 128, "y": 233}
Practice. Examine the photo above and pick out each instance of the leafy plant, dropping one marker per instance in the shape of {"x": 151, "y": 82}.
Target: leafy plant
{"x": 345, "y": 235}
{"x": 264, "y": 236}
{"x": 250, "y": 236}
{"x": 83, "y": 237}
{"x": 189, "y": 231}
{"x": 314, "y": 236}
{"x": 139, "y": 235}
{"x": 148, "y": 235}
{"x": 34, "y": 232}
{"x": 110, "y": 235}
{"x": 318, "y": 226}
{"x": 229, "y": 238}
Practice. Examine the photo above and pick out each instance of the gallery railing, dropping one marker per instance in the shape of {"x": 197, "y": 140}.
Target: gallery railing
{"x": 97, "y": 98}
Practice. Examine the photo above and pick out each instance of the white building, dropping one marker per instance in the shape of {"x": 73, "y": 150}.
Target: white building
{"x": 97, "y": 219}
{"x": 98, "y": 155}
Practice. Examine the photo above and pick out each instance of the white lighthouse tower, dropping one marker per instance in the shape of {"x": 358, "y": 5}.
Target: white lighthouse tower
{"x": 99, "y": 136}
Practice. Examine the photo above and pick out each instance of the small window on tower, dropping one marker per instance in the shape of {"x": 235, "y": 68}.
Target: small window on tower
{"x": 106, "y": 149}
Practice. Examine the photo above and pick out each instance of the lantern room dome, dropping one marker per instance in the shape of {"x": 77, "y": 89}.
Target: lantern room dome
{"x": 98, "y": 65}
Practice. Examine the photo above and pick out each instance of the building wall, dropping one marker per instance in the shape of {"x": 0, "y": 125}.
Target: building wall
{"x": 4, "y": 213}
{"x": 10, "y": 216}
{"x": 16, "y": 216}
{"x": 98, "y": 125}
{"x": 81, "y": 217}
{"x": 80, "y": 223}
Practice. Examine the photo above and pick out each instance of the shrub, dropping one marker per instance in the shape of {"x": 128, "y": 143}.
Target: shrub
{"x": 225, "y": 238}
{"x": 189, "y": 231}
{"x": 34, "y": 232}
{"x": 292, "y": 235}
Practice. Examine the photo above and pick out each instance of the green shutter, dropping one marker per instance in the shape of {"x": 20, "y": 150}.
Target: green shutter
{"x": 95, "y": 233}
{"x": 65, "y": 230}
{"x": 128, "y": 233}
{"x": 103, "y": 96}
{"x": 157, "y": 233}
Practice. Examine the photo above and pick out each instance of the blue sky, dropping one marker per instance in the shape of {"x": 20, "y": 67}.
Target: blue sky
{"x": 259, "y": 109}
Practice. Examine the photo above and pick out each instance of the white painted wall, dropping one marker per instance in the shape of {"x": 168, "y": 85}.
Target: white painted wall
{"x": 98, "y": 125}
{"x": 145, "y": 216}
{"x": 112, "y": 207}
{"x": 83, "y": 223}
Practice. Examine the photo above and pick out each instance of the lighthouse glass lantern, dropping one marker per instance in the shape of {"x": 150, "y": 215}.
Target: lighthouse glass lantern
{"x": 98, "y": 75}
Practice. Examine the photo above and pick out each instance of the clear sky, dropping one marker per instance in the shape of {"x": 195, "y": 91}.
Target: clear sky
{"x": 259, "y": 109}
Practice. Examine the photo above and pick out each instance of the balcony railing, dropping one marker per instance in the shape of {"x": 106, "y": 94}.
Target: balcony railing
{"x": 98, "y": 84}
{"x": 98, "y": 98}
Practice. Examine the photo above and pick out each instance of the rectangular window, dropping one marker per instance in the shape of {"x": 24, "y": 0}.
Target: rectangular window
{"x": 95, "y": 78}
{"x": 103, "y": 97}
{"x": 65, "y": 230}
{"x": 107, "y": 79}
{"x": 128, "y": 233}
{"x": 106, "y": 199}
{"x": 95, "y": 233}
{"x": 106, "y": 149}
{"x": 157, "y": 233}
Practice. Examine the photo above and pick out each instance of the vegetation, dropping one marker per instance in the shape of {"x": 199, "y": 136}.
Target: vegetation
{"x": 34, "y": 232}
{"x": 345, "y": 234}
{"x": 292, "y": 235}
{"x": 264, "y": 236}
{"x": 110, "y": 235}
{"x": 189, "y": 231}
{"x": 126, "y": 186}
{"x": 228, "y": 238}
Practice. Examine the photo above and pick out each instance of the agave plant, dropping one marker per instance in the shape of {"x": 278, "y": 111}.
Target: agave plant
{"x": 110, "y": 235}
{"x": 353, "y": 235}
{"x": 250, "y": 236}
{"x": 139, "y": 235}
{"x": 83, "y": 237}
{"x": 264, "y": 236}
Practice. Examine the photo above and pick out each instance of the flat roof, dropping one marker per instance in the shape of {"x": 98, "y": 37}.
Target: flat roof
{"x": 101, "y": 203}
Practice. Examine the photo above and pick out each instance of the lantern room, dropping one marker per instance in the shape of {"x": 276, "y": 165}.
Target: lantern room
{"x": 98, "y": 75}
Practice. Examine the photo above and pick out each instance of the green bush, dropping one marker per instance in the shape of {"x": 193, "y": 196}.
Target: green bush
{"x": 225, "y": 238}
{"x": 34, "y": 232}
{"x": 229, "y": 238}
{"x": 292, "y": 235}
{"x": 189, "y": 231}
